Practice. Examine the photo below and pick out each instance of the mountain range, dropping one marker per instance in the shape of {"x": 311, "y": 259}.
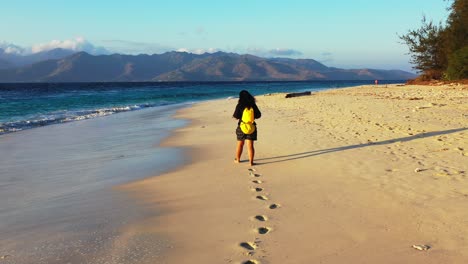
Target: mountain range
{"x": 12, "y": 60}
{"x": 61, "y": 65}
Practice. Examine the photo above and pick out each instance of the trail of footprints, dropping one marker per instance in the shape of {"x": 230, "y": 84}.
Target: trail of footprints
{"x": 251, "y": 247}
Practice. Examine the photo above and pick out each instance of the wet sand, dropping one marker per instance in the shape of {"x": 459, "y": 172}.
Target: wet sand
{"x": 355, "y": 175}
{"x": 58, "y": 201}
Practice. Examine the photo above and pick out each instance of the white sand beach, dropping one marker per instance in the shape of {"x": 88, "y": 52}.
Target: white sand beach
{"x": 358, "y": 175}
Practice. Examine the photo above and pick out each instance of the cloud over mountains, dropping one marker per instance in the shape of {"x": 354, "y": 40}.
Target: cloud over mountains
{"x": 76, "y": 44}
{"x": 134, "y": 48}
{"x": 10, "y": 48}
{"x": 285, "y": 52}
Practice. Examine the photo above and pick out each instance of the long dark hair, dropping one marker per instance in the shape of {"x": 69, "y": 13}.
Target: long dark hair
{"x": 246, "y": 99}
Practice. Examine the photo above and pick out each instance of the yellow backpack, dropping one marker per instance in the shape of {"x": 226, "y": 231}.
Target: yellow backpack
{"x": 247, "y": 122}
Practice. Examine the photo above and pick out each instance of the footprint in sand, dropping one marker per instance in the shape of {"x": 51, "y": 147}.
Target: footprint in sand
{"x": 248, "y": 245}
{"x": 254, "y": 174}
{"x": 250, "y": 262}
{"x": 263, "y": 230}
{"x": 261, "y": 218}
{"x": 274, "y": 206}
{"x": 258, "y": 189}
{"x": 257, "y": 181}
{"x": 461, "y": 151}
{"x": 261, "y": 197}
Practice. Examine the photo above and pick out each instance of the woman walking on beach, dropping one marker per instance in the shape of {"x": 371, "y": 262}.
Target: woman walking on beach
{"x": 246, "y": 109}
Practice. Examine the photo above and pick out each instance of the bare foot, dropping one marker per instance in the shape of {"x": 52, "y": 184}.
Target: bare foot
{"x": 236, "y": 161}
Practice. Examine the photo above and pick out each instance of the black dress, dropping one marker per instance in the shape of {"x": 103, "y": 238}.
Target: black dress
{"x": 238, "y": 115}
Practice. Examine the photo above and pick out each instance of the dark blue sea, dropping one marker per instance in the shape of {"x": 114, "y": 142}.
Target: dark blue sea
{"x": 30, "y": 105}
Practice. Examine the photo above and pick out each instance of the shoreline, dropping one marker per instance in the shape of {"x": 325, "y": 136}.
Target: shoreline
{"x": 342, "y": 190}
{"x": 58, "y": 191}
{"x": 202, "y": 91}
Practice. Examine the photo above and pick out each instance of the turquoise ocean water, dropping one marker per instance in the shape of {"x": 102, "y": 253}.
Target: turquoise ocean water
{"x": 24, "y": 106}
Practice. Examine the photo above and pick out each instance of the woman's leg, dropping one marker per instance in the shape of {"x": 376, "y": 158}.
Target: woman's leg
{"x": 251, "y": 150}
{"x": 239, "y": 148}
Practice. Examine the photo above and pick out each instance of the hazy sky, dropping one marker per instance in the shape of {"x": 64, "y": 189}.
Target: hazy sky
{"x": 341, "y": 33}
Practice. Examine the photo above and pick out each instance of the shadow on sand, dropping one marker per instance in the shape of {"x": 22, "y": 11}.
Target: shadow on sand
{"x": 378, "y": 143}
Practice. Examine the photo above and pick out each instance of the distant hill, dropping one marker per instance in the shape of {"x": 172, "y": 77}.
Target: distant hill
{"x": 182, "y": 66}
{"x": 5, "y": 64}
{"x": 11, "y": 60}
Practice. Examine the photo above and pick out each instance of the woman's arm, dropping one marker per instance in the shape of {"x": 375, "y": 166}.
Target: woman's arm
{"x": 237, "y": 113}
{"x": 257, "y": 113}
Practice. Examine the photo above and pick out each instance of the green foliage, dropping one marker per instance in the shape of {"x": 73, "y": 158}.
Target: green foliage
{"x": 438, "y": 50}
{"x": 457, "y": 25}
{"x": 426, "y": 47}
{"x": 458, "y": 65}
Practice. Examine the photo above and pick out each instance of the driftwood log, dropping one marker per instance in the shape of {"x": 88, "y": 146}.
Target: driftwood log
{"x": 289, "y": 95}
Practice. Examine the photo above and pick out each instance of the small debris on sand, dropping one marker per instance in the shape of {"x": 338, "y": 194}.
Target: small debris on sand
{"x": 421, "y": 247}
